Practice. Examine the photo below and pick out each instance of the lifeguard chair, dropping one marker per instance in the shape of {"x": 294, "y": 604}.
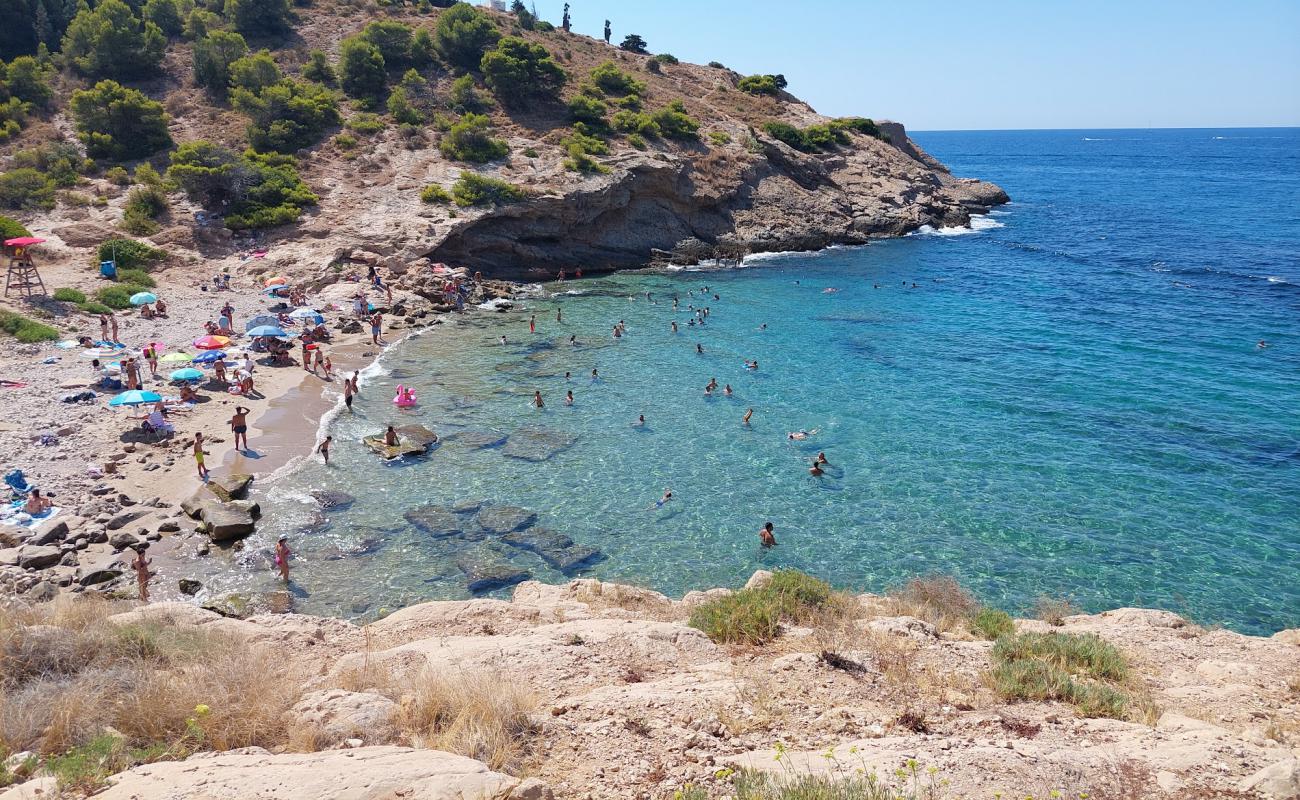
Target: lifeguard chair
{"x": 23, "y": 274}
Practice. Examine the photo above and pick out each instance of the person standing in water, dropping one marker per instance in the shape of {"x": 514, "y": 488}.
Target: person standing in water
{"x": 765, "y": 536}
{"x": 532, "y": 324}
{"x": 749, "y": 412}
{"x": 347, "y": 393}
{"x": 142, "y": 574}
{"x": 324, "y": 449}
{"x": 816, "y": 469}
{"x": 568, "y": 398}
{"x": 282, "y": 557}
{"x": 537, "y": 400}
{"x": 559, "y": 315}
{"x": 356, "y": 388}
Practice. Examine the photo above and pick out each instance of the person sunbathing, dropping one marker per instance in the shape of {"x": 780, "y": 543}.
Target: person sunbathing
{"x": 36, "y": 504}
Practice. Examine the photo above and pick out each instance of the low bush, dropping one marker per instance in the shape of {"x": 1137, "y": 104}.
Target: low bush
{"x": 345, "y": 141}
{"x": 666, "y": 58}
{"x": 636, "y": 140}
{"x": 1077, "y": 669}
{"x": 588, "y": 110}
{"x": 26, "y": 188}
{"x": 118, "y": 176}
{"x": 365, "y": 123}
{"x": 288, "y": 115}
{"x": 318, "y": 68}
{"x": 1087, "y": 653}
{"x": 12, "y": 228}
{"x": 636, "y": 122}
{"x": 27, "y": 331}
{"x": 758, "y": 84}
{"x": 469, "y": 140}
{"x": 119, "y": 123}
{"x": 144, "y": 206}
{"x": 717, "y": 65}
{"x": 1053, "y": 611}
{"x": 674, "y": 122}
{"x": 611, "y": 80}
{"x": 136, "y": 277}
{"x": 129, "y": 254}
{"x": 753, "y": 616}
{"x": 719, "y": 138}
{"x": 464, "y": 95}
{"x": 69, "y": 295}
{"x": 992, "y": 623}
{"x": 849, "y": 783}
{"x": 463, "y": 34}
{"x": 254, "y": 72}
{"x": 472, "y": 189}
{"x": 939, "y": 600}
{"x": 255, "y": 190}
{"x": 827, "y": 136}
{"x": 433, "y": 193}
{"x": 484, "y": 717}
{"x": 118, "y": 296}
{"x": 518, "y": 71}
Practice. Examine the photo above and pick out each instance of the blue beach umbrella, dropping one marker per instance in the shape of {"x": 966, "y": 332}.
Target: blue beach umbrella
{"x": 209, "y": 357}
{"x": 310, "y": 314}
{"x": 260, "y": 319}
{"x": 276, "y": 291}
{"x": 135, "y": 397}
{"x": 140, "y": 298}
{"x": 267, "y": 330}
{"x": 187, "y": 374}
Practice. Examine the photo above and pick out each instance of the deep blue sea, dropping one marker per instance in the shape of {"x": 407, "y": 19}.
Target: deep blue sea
{"x": 1069, "y": 400}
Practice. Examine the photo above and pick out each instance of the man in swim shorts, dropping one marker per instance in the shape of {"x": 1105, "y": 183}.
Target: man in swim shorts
{"x": 324, "y": 449}
{"x": 766, "y": 537}
{"x": 239, "y": 425}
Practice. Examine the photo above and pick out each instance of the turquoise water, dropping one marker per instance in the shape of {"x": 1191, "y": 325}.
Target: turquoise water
{"x": 1069, "y": 402}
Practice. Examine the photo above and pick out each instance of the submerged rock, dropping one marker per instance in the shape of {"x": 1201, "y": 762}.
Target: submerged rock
{"x": 556, "y": 549}
{"x": 537, "y": 444}
{"x": 486, "y": 569}
{"x": 333, "y": 499}
{"x": 504, "y": 519}
{"x": 437, "y": 521}
{"x": 481, "y": 440}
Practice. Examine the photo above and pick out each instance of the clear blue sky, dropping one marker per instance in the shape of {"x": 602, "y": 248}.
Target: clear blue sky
{"x": 955, "y": 64}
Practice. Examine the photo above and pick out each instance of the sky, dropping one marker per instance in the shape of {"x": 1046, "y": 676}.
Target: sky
{"x": 996, "y": 64}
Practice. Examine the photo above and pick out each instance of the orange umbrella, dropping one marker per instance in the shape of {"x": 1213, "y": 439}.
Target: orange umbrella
{"x": 211, "y": 342}
{"x": 278, "y": 280}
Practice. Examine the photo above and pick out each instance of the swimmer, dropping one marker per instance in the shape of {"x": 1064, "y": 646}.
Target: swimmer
{"x": 821, "y": 459}
{"x": 503, "y": 339}
{"x": 801, "y": 434}
{"x": 573, "y": 340}
{"x": 763, "y": 327}
{"x": 726, "y": 390}
{"x": 594, "y": 375}
{"x": 559, "y": 315}
{"x": 748, "y": 413}
{"x": 640, "y": 422}
{"x": 567, "y": 376}
{"x": 568, "y": 398}
{"x": 699, "y": 349}
{"x": 708, "y": 390}
{"x": 1261, "y": 344}
{"x": 618, "y": 332}
{"x": 816, "y": 469}
{"x": 532, "y": 324}
{"x": 668, "y": 495}
{"x": 537, "y": 400}
{"x": 765, "y": 536}
{"x": 674, "y": 326}
{"x": 833, "y": 290}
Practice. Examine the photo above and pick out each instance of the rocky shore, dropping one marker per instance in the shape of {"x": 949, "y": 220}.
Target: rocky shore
{"x": 614, "y": 693}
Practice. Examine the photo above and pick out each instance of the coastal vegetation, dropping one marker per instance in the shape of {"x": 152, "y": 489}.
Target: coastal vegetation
{"x": 473, "y": 189}
{"x": 818, "y": 138}
{"x": 26, "y": 329}
{"x": 754, "y": 615}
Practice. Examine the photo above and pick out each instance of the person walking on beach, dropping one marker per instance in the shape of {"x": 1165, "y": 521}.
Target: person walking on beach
{"x": 219, "y": 369}
{"x": 318, "y": 360}
{"x": 142, "y": 574}
{"x": 282, "y": 557}
{"x": 329, "y": 368}
{"x": 377, "y": 328}
{"x": 324, "y": 449}
{"x": 766, "y": 539}
{"x": 151, "y": 358}
{"x": 239, "y": 425}
{"x": 112, "y": 321}
{"x": 199, "y": 453}
{"x": 103, "y": 327}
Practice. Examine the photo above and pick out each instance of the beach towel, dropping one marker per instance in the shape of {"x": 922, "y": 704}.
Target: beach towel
{"x": 14, "y": 515}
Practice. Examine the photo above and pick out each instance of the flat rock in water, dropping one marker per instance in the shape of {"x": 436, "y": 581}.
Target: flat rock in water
{"x": 504, "y": 519}
{"x": 537, "y": 444}
{"x": 556, "y": 549}
{"x": 241, "y": 606}
{"x": 437, "y": 521}
{"x": 332, "y": 499}
{"x": 480, "y": 440}
{"x": 227, "y": 521}
{"x": 406, "y": 446}
{"x": 486, "y": 570}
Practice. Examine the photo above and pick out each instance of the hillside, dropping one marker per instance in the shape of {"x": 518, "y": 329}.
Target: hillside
{"x": 609, "y": 174}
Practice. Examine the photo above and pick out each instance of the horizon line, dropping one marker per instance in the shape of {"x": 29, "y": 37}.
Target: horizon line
{"x": 1148, "y": 128}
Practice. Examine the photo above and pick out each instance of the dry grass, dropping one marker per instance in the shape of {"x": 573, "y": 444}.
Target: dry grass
{"x": 483, "y": 716}
{"x": 939, "y": 600}
{"x": 66, "y": 675}
{"x": 1053, "y": 610}
{"x": 758, "y": 708}
{"x": 1293, "y": 684}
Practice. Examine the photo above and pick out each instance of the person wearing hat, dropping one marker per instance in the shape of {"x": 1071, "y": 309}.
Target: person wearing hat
{"x": 282, "y": 557}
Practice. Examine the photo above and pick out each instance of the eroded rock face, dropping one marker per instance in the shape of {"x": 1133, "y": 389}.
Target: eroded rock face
{"x": 338, "y": 715}
{"x": 366, "y": 773}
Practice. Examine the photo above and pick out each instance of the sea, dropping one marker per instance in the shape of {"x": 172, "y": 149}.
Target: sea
{"x": 1090, "y": 394}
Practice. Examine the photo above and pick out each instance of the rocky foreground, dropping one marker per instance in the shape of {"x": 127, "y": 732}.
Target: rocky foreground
{"x": 619, "y": 697}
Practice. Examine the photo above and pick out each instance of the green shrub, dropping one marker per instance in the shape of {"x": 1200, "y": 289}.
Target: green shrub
{"x": 585, "y": 142}
{"x": 26, "y": 188}
{"x": 146, "y": 175}
{"x": 666, "y": 58}
{"x": 463, "y": 34}
{"x": 199, "y": 23}
{"x": 717, "y": 65}
{"x": 118, "y": 176}
{"x": 69, "y": 295}
{"x": 136, "y": 277}
{"x": 118, "y": 295}
{"x": 166, "y": 14}
{"x": 119, "y": 123}
{"x": 858, "y": 124}
{"x": 542, "y": 26}
{"x": 1044, "y": 666}
{"x": 719, "y": 138}
{"x": 433, "y": 193}
{"x": 59, "y": 160}
{"x": 256, "y": 190}
{"x": 753, "y": 616}
{"x": 636, "y": 140}
{"x": 402, "y": 110}
{"x": 93, "y": 307}
{"x": 1041, "y": 681}
{"x": 27, "y": 331}
{"x": 213, "y": 56}
{"x": 472, "y": 189}
{"x": 13, "y": 113}
{"x": 758, "y": 84}
{"x": 28, "y": 79}
{"x": 111, "y": 42}
{"x": 393, "y": 39}
{"x": 993, "y": 623}
{"x": 653, "y": 66}
{"x": 469, "y": 140}
{"x": 588, "y": 110}
{"x": 318, "y": 68}
{"x": 345, "y": 141}
{"x": 1086, "y": 653}
{"x": 259, "y": 17}
{"x": 365, "y": 123}
{"x": 518, "y": 71}
{"x": 288, "y": 115}
{"x": 611, "y": 80}
{"x": 464, "y": 95}
{"x": 636, "y": 122}
{"x": 633, "y": 43}
{"x": 129, "y": 254}
{"x": 675, "y": 123}
{"x": 362, "y": 72}
{"x": 255, "y": 72}
{"x": 12, "y": 229}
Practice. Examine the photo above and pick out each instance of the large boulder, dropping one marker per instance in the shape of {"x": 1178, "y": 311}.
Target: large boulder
{"x": 49, "y": 532}
{"x": 365, "y": 773}
{"x": 333, "y": 499}
{"x": 225, "y": 522}
{"x": 35, "y": 556}
{"x": 412, "y": 440}
{"x": 337, "y": 715}
{"x": 125, "y": 518}
{"x": 229, "y": 487}
{"x": 1280, "y": 781}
